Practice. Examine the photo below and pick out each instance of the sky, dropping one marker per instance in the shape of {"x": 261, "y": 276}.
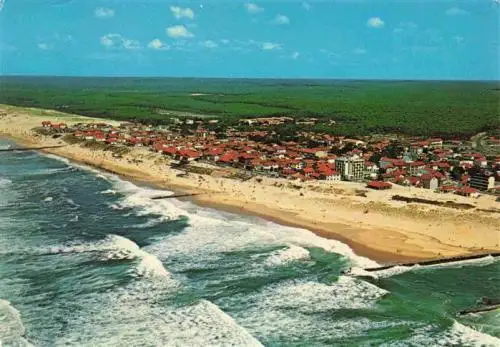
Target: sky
{"x": 354, "y": 39}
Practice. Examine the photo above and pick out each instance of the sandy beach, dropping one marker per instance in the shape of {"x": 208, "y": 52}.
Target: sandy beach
{"x": 373, "y": 225}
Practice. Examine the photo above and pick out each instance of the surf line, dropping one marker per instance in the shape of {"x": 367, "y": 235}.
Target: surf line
{"x": 435, "y": 261}
{"x": 177, "y": 196}
{"x": 21, "y": 149}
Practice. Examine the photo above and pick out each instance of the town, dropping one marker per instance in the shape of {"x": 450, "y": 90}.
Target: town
{"x": 444, "y": 166}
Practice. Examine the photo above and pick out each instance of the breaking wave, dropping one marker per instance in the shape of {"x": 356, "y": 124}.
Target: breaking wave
{"x": 12, "y": 330}
{"x": 284, "y": 256}
{"x": 457, "y": 335}
{"x": 113, "y": 247}
{"x": 290, "y": 309}
{"x": 200, "y": 324}
{"x": 4, "y": 182}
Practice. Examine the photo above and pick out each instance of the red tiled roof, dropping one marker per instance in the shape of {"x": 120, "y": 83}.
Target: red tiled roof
{"x": 379, "y": 184}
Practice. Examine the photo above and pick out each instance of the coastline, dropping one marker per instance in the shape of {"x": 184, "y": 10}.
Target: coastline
{"x": 381, "y": 230}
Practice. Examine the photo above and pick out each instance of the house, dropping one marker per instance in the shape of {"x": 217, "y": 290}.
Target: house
{"x": 379, "y": 185}
{"x": 228, "y": 158}
{"x": 330, "y": 175}
{"x": 436, "y": 143}
{"x": 429, "y": 181}
{"x": 188, "y": 155}
{"x": 99, "y": 137}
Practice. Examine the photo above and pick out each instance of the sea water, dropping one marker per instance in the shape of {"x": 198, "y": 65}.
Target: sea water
{"x": 88, "y": 259}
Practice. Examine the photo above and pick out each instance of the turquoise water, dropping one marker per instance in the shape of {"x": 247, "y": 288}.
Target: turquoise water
{"x": 87, "y": 259}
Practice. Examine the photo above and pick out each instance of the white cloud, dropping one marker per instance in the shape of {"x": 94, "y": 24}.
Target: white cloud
{"x": 281, "y": 20}
{"x": 455, "y": 11}
{"x": 43, "y": 46}
{"x": 458, "y": 39}
{"x": 224, "y": 41}
{"x": 295, "y": 55}
{"x": 102, "y": 12}
{"x": 209, "y": 44}
{"x": 359, "y": 51}
{"x": 180, "y": 12}
{"x": 179, "y": 31}
{"x": 375, "y": 22}
{"x": 118, "y": 41}
{"x": 158, "y": 45}
{"x": 269, "y": 46}
{"x": 306, "y": 6}
{"x": 253, "y": 8}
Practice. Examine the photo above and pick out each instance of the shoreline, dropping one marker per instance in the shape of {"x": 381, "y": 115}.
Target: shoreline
{"x": 374, "y": 227}
{"x": 358, "y": 248}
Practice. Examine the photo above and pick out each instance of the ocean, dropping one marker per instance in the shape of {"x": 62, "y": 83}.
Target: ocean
{"x": 88, "y": 259}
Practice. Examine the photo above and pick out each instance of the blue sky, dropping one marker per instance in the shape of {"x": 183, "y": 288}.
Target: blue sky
{"x": 405, "y": 39}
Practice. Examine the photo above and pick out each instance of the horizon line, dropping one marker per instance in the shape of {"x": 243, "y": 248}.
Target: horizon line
{"x": 259, "y": 78}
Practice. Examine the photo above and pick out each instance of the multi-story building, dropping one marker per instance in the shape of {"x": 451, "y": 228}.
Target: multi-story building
{"x": 350, "y": 169}
{"x": 482, "y": 182}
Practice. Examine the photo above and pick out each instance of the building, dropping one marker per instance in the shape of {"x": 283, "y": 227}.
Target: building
{"x": 429, "y": 181}
{"x": 482, "y": 182}
{"x": 467, "y": 191}
{"x": 350, "y": 169}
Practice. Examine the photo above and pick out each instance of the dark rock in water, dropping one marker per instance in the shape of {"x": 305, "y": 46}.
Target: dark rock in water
{"x": 485, "y": 305}
{"x": 488, "y": 301}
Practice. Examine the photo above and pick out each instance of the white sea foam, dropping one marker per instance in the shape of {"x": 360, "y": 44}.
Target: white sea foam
{"x": 287, "y": 255}
{"x": 472, "y": 336}
{"x": 134, "y": 316}
{"x": 392, "y": 271}
{"x": 400, "y": 269}
{"x": 293, "y": 307}
{"x": 457, "y": 335}
{"x": 11, "y": 326}
{"x": 150, "y": 223}
{"x": 212, "y": 233}
{"x": 486, "y": 260}
{"x": 4, "y": 182}
{"x": 48, "y": 199}
{"x": 108, "y": 191}
{"x": 310, "y": 297}
{"x": 139, "y": 199}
